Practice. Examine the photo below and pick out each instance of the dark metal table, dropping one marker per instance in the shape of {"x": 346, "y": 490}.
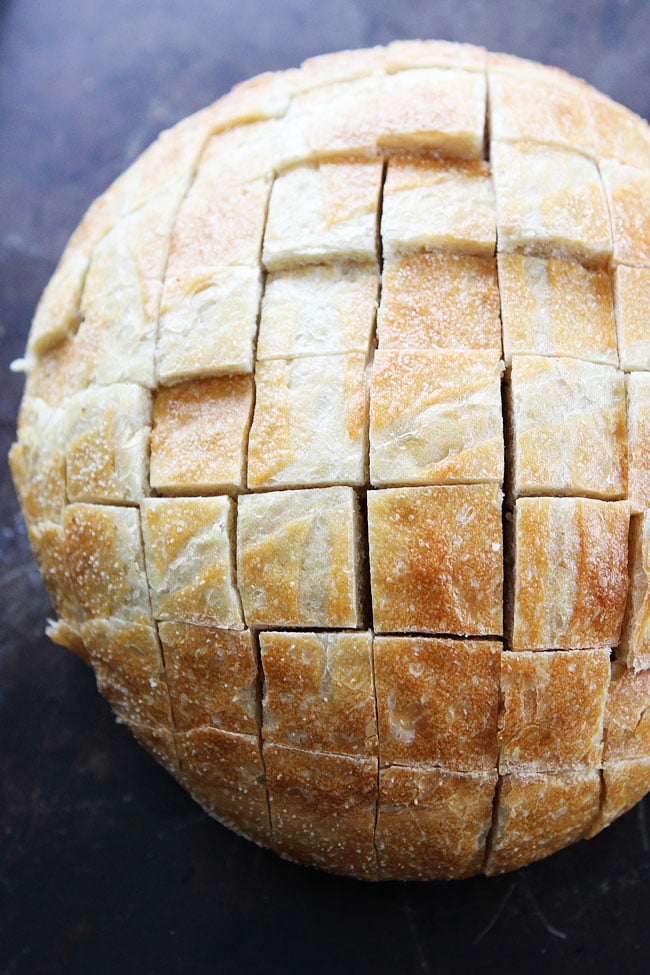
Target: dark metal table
{"x": 105, "y": 864}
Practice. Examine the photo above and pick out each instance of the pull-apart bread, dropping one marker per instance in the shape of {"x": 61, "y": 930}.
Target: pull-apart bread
{"x": 334, "y": 455}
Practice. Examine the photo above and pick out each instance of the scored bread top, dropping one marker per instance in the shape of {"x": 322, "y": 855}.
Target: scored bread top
{"x": 333, "y": 457}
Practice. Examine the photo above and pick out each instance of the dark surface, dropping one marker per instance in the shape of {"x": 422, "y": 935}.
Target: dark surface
{"x": 105, "y": 864}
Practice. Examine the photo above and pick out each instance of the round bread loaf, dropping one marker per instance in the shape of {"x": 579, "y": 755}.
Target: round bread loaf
{"x": 334, "y": 458}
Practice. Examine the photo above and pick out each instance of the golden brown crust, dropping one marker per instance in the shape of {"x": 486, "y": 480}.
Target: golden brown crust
{"x": 68, "y": 636}
{"x": 128, "y": 666}
{"x": 569, "y": 427}
{"x": 297, "y": 558}
{"x": 107, "y": 431}
{"x": 638, "y": 434}
{"x": 200, "y": 430}
{"x": 552, "y": 710}
{"x": 624, "y": 784}
{"x": 556, "y": 308}
{"x": 432, "y": 824}
{"x": 438, "y": 205}
{"x": 310, "y": 422}
{"x": 618, "y": 132}
{"x": 632, "y": 290}
{"x": 529, "y": 105}
{"x": 160, "y": 743}
{"x": 628, "y": 196}
{"x": 212, "y": 676}
{"x": 627, "y": 717}
{"x": 570, "y": 580}
{"x": 634, "y": 648}
{"x": 189, "y": 551}
{"x": 220, "y": 224}
{"x": 103, "y": 551}
{"x": 439, "y": 301}
{"x": 538, "y": 814}
{"x": 48, "y": 544}
{"x": 435, "y": 418}
{"x": 225, "y": 774}
{"x": 323, "y": 809}
{"x": 58, "y": 373}
{"x": 436, "y": 559}
{"x": 37, "y": 461}
{"x": 550, "y": 203}
{"x": 420, "y": 684}
{"x": 319, "y": 691}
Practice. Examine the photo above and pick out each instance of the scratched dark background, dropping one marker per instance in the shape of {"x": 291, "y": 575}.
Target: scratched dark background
{"x": 105, "y": 864}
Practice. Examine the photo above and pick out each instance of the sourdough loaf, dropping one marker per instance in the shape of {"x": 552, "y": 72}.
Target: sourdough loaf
{"x": 334, "y": 457}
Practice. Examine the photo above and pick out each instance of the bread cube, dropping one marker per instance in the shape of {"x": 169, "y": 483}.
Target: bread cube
{"x": 569, "y": 427}
{"x": 199, "y": 437}
{"x": 189, "y": 546}
{"x": 550, "y": 203}
{"x": 439, "y": 301}
{"x": 438, "y": 205}
{"x": 435, "y": 418}
{"x": 421, "y": 682}
{"x": 436, "y": 559}
{"x": 570, "y": 573}
{"x": 556, "y": 308}
{"x": 319, "y": 691}
{"x": 552, "y": 710}
{"x": 298, "y": 558}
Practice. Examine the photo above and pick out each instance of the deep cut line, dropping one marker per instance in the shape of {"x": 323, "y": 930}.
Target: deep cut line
{"x": 423, "y": 635}
{"x": 364, "y": 592}
{"x": 364, "y": 579}
{"x": 306, "y": 628}
{"x": 487, "y": 128}
{"x": 611, "y": 267}
{"x": 569, "y": 355}
{"x": 244, "y": 487}
{"x": 507, "y": 511}
{"x": 161, "y": 649}
{"x": 602, "y": 800}
{"x": 489, "y": 839}
{"x": 234, "y": 581}
{"x": 376, "y": 634}
{"x": 119, "y": 503}
{"x": 430, "y": 766}
{"x": 586, "y": 649}
{"x": 448, "y": 482}
{"x": 377, "y": 784}
{"x": 322, "y": 485}
{"x": 170, "y": 697}
{"x": 359, "y": 757}
{"x": 259, "y": 718}
{"x": 442, "y": 767}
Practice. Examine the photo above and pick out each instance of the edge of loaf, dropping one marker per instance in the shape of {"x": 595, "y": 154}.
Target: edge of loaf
{"x": 282, "y": 442}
